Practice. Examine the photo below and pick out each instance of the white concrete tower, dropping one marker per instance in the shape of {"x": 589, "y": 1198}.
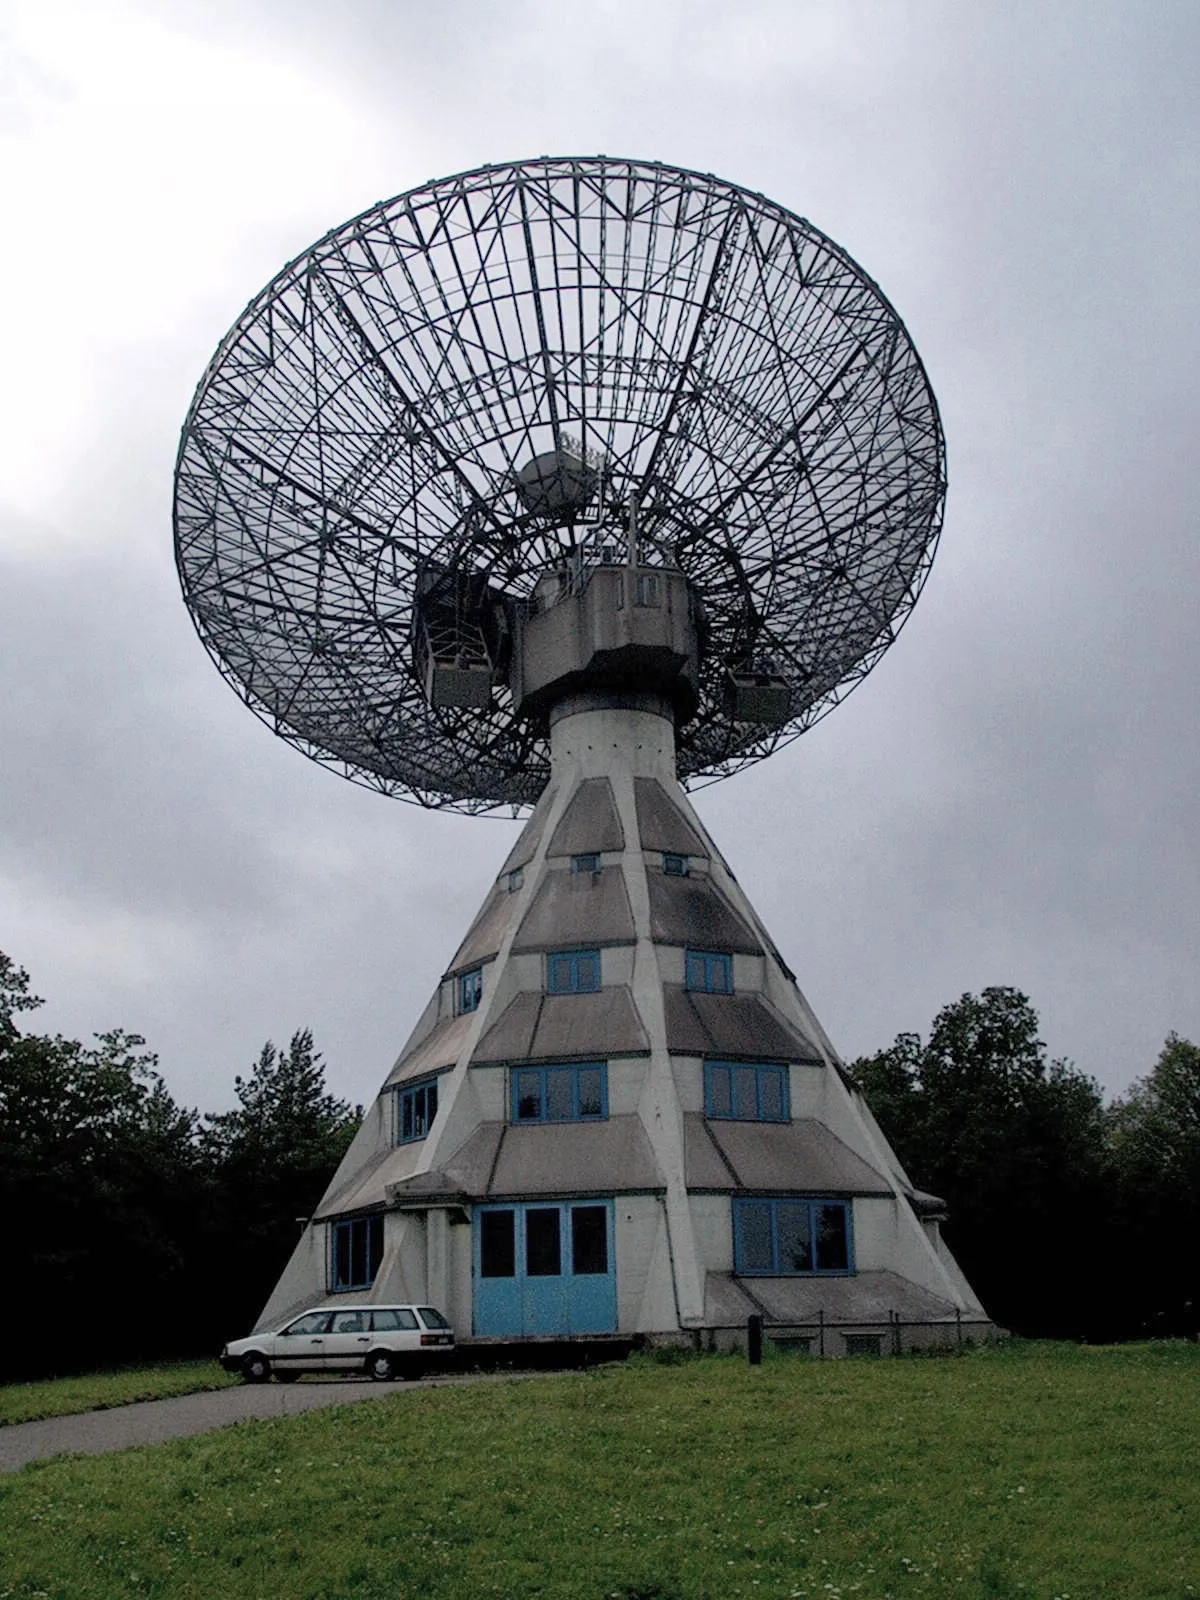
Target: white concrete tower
{"x": 618, "y": 1115}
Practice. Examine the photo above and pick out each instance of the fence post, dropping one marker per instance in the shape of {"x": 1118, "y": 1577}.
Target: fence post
{"x": 958, "y": 1324}
{"x": 754, "y": 1340}
{"x": 895, "y": 1316}
{"x": 821, "y": 1331}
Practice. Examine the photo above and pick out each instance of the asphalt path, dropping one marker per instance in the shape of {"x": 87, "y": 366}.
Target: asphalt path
{"x": 94, "y": 1433}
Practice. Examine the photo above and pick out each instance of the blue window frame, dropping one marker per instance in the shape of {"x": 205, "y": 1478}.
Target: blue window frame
{"x": 575, "y": 1093}
{"x": 792, "y": 1236}
{"x": 746, "y": 1091}
{"x": 355, "y": 1252}
{"x": 416, "y": 1107}
{"x": 573, "y": 972}
{"x": 470, "y": 990}
{"x": 708, "y": 971}
{"x": 674, "y": 866}
{"x": 589, "y": 861}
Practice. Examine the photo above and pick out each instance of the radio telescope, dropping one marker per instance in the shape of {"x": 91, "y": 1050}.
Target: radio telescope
{"x": 565, "y": 485}
{"x": 551, "y": 366}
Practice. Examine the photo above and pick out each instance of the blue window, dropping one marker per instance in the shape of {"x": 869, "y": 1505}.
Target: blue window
{"x": 709, "y": 971}
{"x": 785, "y": 1237}
{"x": 357, "y": 1250}
{"x": 515, "y": 879}
{"x": 576, "y": 1093}
{"x": 470, "y": 989}
{"x": 573, "y": 972}
{"x": 589, "y": 862}
{"x": 675, "y": 866}
{"x": 416, "y": 1108}
{"x": 746, "y": 1092}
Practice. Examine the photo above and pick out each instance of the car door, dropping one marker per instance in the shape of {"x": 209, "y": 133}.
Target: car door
{"x": 349, "y": 1339}
{"x": 300, "y": 1347}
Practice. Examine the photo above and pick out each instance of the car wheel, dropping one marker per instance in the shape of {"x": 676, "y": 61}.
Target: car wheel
{"x": 255, "y": 1367}
{"x": 286, "y": 1377}
{"x": 381, "y": 1366}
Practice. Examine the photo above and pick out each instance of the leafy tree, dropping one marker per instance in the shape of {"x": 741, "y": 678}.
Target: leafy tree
{"x": 14, "y": 995}
{"x": 96, "y": 1180}
{"x": 1154, "y": 1134}
{"x": 130, "y": 1218}
{"x": 1015, "y": 1146}
{"x": 269, "y": 1161}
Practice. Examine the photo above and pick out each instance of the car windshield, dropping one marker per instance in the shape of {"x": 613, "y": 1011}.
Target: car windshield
{"x": 432, "y": 1318}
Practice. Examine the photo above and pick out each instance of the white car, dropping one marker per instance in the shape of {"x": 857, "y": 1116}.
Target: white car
{"x": 382, "y": 1341}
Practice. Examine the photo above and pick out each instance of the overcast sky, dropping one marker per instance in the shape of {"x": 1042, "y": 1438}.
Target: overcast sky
{"x": 1010, "y": 798}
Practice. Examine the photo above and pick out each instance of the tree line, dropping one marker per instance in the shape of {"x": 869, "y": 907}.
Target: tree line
{"x": 1071, "y": 1218}
{"x": 135, "y": 1228}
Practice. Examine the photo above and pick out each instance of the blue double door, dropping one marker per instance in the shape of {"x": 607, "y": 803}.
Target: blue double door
{"x": 545, "y": 1268}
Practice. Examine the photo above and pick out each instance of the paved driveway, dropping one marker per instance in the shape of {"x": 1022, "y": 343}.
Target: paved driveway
{"x": 95, "y": 1433}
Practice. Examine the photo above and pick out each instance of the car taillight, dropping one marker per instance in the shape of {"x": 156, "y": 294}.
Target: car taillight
{"x": 437, "y": 1338}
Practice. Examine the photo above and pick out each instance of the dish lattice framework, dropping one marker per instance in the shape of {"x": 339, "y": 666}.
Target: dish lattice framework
{"x": 702, "y": 348}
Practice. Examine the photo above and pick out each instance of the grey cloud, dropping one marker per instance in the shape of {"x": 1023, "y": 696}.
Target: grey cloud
{"x": 1010, "y": 798}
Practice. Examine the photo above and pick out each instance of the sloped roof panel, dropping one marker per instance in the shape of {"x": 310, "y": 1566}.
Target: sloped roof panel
{"x": 703, "y": 1166}
{"x": 737, "y": 1025}
{"x": 574, "y": 1158}
{"x": 485, "y": 933}
{"x": 466, "y": 1172}
{"x": 692, "y": 911}
{"x": 578, "y": 908}
{"x": 590, "y": 821}
{"x": 561, "y": 1158}
{"x": 510, "y": 1036}
{"x": 441, "y": 1047}
{"x": 801, "y": 1157}
{"x": 530, "y": 836}
{"x": 589, "y": 1026}
{"x": 865, "y": 1297}
{"x": 661, "y": 824}
{"x": 369, "y": 1185}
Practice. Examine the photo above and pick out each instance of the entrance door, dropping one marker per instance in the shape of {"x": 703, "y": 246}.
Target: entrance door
{"x": 545, "y": 1269}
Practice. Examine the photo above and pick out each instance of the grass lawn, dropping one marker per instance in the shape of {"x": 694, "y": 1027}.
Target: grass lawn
{"x": 1037, "y": 1470}
{"x": 97, "y": 1391}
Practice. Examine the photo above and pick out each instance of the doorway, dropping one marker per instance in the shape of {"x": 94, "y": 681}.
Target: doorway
{"x": 545, "y": 1268}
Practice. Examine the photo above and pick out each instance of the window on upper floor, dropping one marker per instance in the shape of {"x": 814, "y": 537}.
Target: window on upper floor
{"x": 708, "y": 971}
{"x": 515, "y": 879}
{"x": 674, "y": 866}
{"x": 469, "y": 990}
{"x": 356, "y": 1249}
{"x": 647, "y": 589}
{"x": 791, "y": 1236}
{"x": 746, "y": 1091}
{"x": 574, "y": 1093}
{"x": 416, "y": 1107}
{"x": 572, "y": 972}
{"x": 589, "y": 861}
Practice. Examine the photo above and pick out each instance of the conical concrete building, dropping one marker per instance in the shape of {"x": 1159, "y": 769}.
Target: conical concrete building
{"x": 618, "y": 1114}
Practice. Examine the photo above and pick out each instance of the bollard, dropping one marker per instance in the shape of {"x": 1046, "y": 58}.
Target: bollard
{"x": 754, "y": 1337}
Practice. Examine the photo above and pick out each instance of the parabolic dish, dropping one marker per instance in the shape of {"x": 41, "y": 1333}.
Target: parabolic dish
{"x": 387, "y": 405}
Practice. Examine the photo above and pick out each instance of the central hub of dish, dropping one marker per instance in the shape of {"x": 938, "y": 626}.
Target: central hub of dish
{"x": 608, "y": 630}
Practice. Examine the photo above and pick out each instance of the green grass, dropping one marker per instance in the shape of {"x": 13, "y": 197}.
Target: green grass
{"x": 98, "y": 1391}
{"x": 1033, "y": 1471}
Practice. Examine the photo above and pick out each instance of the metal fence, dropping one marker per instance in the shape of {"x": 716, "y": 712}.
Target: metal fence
{"x": 824, "y": 1336}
